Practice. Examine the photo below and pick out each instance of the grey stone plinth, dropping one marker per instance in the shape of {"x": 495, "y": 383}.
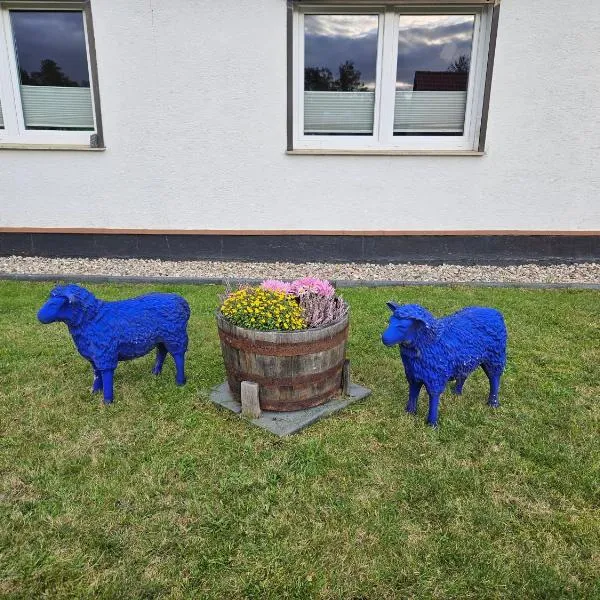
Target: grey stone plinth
{"x": 286, "y": 423}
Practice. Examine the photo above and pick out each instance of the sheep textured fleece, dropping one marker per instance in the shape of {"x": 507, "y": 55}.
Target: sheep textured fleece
{"x": 435, "y": 351}
{"x": 105, "y": 333}
{"x": 577, "y": 273}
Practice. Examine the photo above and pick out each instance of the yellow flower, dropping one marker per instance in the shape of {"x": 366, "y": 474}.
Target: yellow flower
{"x": 263, "y": 309}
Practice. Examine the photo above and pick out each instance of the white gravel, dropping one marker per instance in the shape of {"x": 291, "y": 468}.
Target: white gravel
{"x": 581, "y": 273}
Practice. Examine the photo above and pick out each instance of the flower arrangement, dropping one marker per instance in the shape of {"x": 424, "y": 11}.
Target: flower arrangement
{"x": 281, "y": 306}
{"x": 258, "y": 308}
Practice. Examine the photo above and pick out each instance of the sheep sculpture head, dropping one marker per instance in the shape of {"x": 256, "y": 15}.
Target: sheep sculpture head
{"x": 69, "y": 304}
{"x": 436, "y": 351}
{"x": 408, "y": 324}
{"x": 105, "y": 333}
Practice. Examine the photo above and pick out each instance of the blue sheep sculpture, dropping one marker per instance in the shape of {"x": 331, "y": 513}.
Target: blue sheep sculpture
{"x": 435, "y": 351}
{"x": 105, "y": 333}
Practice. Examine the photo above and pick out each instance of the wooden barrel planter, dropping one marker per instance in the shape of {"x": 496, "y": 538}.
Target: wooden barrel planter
{"x": 294, "y": 370}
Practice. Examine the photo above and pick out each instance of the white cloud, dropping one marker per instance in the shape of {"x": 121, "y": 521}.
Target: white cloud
{"x": 433, "y": 21}
{"x": 352, "y": 26}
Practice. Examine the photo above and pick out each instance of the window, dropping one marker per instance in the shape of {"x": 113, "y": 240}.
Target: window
{"x": 397, "y": 78}
{"x": 46, "y": 88}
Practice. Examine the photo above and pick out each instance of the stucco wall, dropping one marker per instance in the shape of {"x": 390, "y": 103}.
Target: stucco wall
{"x": 194, "y": 111}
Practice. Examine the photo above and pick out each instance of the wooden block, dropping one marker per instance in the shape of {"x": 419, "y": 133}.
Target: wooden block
{"x": 250, "y": 404}
{"x": 346, "y": 378}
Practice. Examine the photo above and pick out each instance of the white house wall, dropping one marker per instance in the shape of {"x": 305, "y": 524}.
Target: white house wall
{"x": 194, "y": 111}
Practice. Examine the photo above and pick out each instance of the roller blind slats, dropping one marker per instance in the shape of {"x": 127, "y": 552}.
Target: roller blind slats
{"x": 57, "y": 107}
{"x": 338, "y": 112}
{"x": 430, "y": 111}
{"x": 352, "y": 112}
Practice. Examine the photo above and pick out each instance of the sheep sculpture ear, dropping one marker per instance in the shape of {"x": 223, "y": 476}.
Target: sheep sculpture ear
{"x": 424, "y": 323}
{"x": 392, "y": 306}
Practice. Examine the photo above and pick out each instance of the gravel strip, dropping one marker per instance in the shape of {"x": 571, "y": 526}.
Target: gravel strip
{"x": 577, "y": 273}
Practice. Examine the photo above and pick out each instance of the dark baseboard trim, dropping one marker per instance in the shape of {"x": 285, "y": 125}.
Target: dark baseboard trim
{"x": 434, "y": 249}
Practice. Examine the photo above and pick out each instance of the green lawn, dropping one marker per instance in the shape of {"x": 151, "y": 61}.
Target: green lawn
{"x": 164, "y": 495}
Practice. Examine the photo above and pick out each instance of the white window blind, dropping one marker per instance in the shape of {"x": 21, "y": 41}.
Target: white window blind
{"x": 1, "y": 118}
{"x": 338, "y": 112}
{"x": 436, "y": 112}
{"x": 352, "y": 112}
{"x": 60, "y": 107}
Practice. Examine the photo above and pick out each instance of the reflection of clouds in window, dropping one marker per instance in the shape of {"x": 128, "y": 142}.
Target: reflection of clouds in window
{"x": 449, "y": 51}
{"x": 431, "y": 43}
{"x": 350, "y": 26}
{"x": 332, "y": 40}
{"x": 440, "y": 37}
{"x": 433, "y": 21}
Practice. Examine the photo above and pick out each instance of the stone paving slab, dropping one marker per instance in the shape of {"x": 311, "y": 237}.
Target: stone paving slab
{"x": 287, "y": 423}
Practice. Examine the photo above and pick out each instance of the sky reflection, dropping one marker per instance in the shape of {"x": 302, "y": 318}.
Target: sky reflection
{"x": 431, "y": 43}
{"x": 425, "y": 43}
{"x": 331, "y": 40}
{"x": 55, "y": 35}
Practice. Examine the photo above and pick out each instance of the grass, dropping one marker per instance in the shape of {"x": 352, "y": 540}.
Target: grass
{"x": 164, "y": 495}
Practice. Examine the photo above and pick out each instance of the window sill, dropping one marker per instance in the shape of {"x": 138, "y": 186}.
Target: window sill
{"x": 382, "y": 152}
{"x": 76, "y": 147}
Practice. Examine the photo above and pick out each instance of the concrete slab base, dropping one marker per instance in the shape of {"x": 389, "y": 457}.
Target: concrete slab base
{"x": 286, "y": 423}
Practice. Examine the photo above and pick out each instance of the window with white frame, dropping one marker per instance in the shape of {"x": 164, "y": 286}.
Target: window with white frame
{"x": 399, "y": 77}
{"x": 45, "y": 77}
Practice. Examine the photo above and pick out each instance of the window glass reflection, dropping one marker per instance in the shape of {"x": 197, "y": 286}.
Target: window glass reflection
{"x": 434, "y": 58}
{"x": 51, "y": 55}
{"x": 340, "y": 64}
{"x": 50, "y": 48}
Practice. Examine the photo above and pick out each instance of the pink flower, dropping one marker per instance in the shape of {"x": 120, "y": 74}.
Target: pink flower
{"x": 275, "y": 285}
{"x": 312, "y": 284}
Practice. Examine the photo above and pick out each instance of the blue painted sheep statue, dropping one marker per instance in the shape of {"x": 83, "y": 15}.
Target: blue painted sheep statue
{"x": 435, "y": 351}
{"x": 105, "y": 333}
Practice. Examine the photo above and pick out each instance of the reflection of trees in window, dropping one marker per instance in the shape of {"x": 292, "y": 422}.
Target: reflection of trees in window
{"x": 50, "y": 73}
{"x": 349, "y": 80}
{"x": 461, "y": 65}
{"x": 320, "y": 79}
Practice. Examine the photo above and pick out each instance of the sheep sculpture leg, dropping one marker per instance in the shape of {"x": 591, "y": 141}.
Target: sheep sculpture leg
{"x": 179, "y": 358}
{"x": 414, "y": 387}
{"x": 161, "y": 354}
{"x": 458, "y": 385}
{"x": 107, "y": 385}
{"x": 434, "y": 403}
{"x": 493, "y": 374}
{"x": 97, "y": 385}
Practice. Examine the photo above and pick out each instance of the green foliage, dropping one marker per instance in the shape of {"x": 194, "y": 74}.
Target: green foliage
{"x": 163, "y": 495}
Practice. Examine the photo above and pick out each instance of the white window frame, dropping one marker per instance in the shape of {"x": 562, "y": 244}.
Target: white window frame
{"x": 15, "y": 132}
{"x": 383, "y": 138}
